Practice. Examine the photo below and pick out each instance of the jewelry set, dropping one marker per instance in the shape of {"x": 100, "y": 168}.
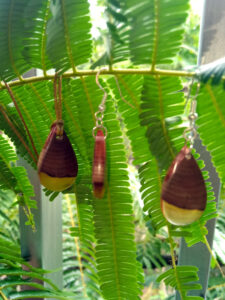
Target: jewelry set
{"x": 183, "y": 195}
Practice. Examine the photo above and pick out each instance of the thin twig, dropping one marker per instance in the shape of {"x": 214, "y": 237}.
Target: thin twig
{"x": 3, "y": 295}
{"x": 21, "y": 117}
{"x": 216, "y": 286}
{"x": 210, "y": 251}
{"x": 17, "y": 134}
{"x": 121, "y": 95}
{"x": 105, "y": 72}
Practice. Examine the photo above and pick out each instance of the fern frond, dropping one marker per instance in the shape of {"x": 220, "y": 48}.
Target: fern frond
{"x": 211, "y": 124}
{"x": 162, "y": 106}
{"x": 184, "y": 279}
{"x": 130, "y": 108}
{"x": 75, "y": 114}
{"x": 15, "y": 178}
{"x": 117, "y": 42}
{"x": 110, "y": 212}
{"x": 12, "y": 274}
{"x": 150, "y": 179}
{"x": 36, "y": 16}
{"x": 156, "y": 31}
{"x": 69, "y": 43}
{"x": 130, "y": 87}
{"x": 7, "y": 155}
{"x": 12, "y": 36}
{"x": 115, "y": 250}
{"x": 78, "y": 261}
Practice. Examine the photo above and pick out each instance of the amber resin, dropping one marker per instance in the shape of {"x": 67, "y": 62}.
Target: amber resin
{"x": 184, "y": 196}
{"x": 99, "y": 164}
{"x": 57, "y": 163}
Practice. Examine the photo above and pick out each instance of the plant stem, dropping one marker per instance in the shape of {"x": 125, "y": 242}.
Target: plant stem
{"x": 104, "y": 72}
{"x": 3, "y": 295}
{"x": 216, "y": 286}
{"x": 210, "y": 251}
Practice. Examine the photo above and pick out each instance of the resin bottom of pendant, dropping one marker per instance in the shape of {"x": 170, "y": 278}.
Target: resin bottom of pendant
{"x": 179, "y": 216}
{"x": 56, "y": 183}
{"x": 98, "y": 190}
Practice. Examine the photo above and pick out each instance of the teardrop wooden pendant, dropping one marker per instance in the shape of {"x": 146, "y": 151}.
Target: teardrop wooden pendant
{"x": 184, "y": 196}
{"x": 57, "y": 163}
{"x": 99, "y": 164}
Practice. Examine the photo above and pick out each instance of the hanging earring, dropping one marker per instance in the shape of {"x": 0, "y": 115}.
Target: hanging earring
{"x": 99, "y": 159}
{"x": 184, "y": 196}
{"x": 57, "y": 163}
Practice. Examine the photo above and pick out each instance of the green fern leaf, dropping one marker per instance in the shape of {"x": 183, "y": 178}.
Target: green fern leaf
{"x": 43, "y": 294}
{"x": 29, "y": 105}
{"x": 149, "y": 174}
{"x": 12, "y": 36}
{"x": 36, "y": 16}
{"x": 117, "y": 42}
{"x": 183, "y": 278}
{"x": 79, "y": 130}
{"x": 155, "y": 30}
{"x": 211, "y": 124}
{"x": 7, "y": 155}
{"x": 129, "y": 108}
{"x": 161, "y": 107}
{"x": 115, "y": 250}
{"x": 8, "y": 114}
{"x": 151, "y": 188}
{"x": 109, "y": 213}
{"x": 68, "y": 30}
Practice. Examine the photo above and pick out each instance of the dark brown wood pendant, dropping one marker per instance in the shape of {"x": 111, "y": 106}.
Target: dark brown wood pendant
{"x": 57, "y": 163}
{"x": 99, "y": 164}
{"x": 184, "y": 196}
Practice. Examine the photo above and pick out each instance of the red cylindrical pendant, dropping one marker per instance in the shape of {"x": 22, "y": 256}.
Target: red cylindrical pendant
{"x": 57, "y": 163}
{"x": 184, "y": 196}
{"x": 99, "y": 164}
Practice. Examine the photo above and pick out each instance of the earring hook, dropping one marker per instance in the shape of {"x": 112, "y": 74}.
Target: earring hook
{"x": 102, "y": 105}
{"x": 99, "y": 115}
{"x": 190, "y": 132}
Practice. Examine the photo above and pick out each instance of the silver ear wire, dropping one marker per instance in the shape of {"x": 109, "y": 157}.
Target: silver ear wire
{"x": 99, "y": 115}
{"x": 102, "y": 105}
{"x": 190, "y": 132}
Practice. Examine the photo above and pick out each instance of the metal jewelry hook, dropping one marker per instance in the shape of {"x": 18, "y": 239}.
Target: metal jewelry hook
{"x": 101, "y": 108}
{"x": 102, "y": 105}
{"x": 190, "y": 132}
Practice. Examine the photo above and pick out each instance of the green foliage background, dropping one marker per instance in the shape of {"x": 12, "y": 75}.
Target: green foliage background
{"x": 144, "y": 117}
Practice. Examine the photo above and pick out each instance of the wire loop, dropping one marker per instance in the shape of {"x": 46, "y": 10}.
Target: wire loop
{"x": 103, "y": 128}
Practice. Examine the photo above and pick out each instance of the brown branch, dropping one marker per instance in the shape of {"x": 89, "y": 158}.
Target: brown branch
{"x": 21, "y": 117}
{"x": 17, "y": 134}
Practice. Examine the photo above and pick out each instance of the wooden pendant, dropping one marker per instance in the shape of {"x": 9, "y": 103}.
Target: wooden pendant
{"x": 57, "y": 163}
{"x": 99, "y": 164}
{"x": 184, "y": 196}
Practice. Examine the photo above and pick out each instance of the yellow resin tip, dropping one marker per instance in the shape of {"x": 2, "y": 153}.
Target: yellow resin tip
{"x": 54, "y": 183}
{"x": 179, "y": 216}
